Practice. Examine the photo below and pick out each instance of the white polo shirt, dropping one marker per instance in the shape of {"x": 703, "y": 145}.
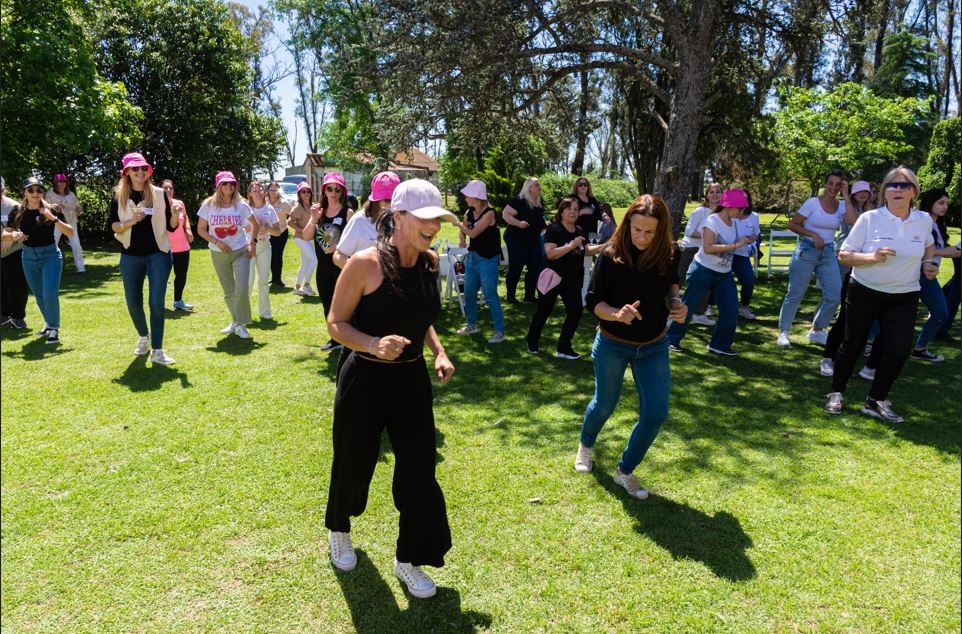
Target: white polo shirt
{"x": 695, "y": 223}
{"x": 909, "y": 238}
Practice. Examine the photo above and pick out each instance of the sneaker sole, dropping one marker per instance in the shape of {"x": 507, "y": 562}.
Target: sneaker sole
{"x": 828, "y": 373}
{"x": 344, "y": 567}
{"x": 724, "y": 353}
{"x": 871, "y": 412}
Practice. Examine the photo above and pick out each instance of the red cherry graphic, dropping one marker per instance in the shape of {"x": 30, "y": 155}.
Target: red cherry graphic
{"x": 231, "y": 230}
{"x": 222, "y": 232}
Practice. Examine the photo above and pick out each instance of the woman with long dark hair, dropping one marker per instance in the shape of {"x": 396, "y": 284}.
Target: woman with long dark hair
{"x": 384, "y": 308}
{"x": 633, "y": 292}
{"x": 298, "y": 219}
{"x": 934, "y": 202}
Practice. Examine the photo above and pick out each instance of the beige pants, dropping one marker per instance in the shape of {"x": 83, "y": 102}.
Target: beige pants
{"x": 261, "y": 269}
{"x": 234, "y": 272}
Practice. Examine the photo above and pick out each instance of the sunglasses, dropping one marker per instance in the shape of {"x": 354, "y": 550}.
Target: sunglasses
{"x": 138, "y": 168}
{"x": 900, "y": 185}
{"x": 582, "y": 184}
{"x": 34, "y": 190}
{"x": 305, "y": 191}
{"x": 332, "y": 188}
{"x": 228, "y": 184}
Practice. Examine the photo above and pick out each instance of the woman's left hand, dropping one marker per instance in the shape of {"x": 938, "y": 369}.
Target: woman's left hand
{"x": 49, "y": 215}
{"x": 678, "y": 312}
{"x": 444, "y": 368}
{"x": 930, "y": 271}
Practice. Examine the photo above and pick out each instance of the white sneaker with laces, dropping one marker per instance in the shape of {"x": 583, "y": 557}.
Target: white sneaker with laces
{"x": 228, "y": 329}
{"x": 834, "y": 402}
{"x": 160, "y": 357}
{"x": 419, "y": 584}
{"x": 468, "y": 329}
{"x": 143, "y": 346}
{"x": 583, "y": 461}
{"x": 307, "y": 289}
{"x": 703, "y": 320}
{"x": 818, "y": 336}
{"x": 867, "y": 373}
{"x": 242, "y": 332}
{"x": 628, "y": 481}
{"x": 746, "y": 313}
{"x": 783, "y": 340}
{"x": 826, "y": 367}
{"x": 497, "y": 337}
{"x": 342, "y": 552}
{"x": 881, "y": 409}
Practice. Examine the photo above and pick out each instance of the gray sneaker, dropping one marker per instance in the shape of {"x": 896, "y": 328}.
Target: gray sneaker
{"x": 834, "y": 402}
{"x": 881, "y": 409}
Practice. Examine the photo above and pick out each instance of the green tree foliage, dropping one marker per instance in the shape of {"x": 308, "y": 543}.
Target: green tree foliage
{"x": 58, "y": 112}
{"x": 188, "y": 67}
{"x": 848, "y": 127}
{"x": 942, "y": 169}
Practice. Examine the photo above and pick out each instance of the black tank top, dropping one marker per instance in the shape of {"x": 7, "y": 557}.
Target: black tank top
{"x": 488, "y": 244}
{"x": 383, "y": 312}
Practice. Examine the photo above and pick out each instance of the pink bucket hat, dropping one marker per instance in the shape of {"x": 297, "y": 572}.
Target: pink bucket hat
{"x": 60, "y": 178}
{"x": 135, "y": 159}
{"x": 734, "y": 198}
{"x": 382, "y": 185}
{"x": 304, "y": 185}
{"x": 475, "y": 189}
{"x": 224, "y": 177}
{"x": 860, "y": 186}
{"x": 334, "y": 177}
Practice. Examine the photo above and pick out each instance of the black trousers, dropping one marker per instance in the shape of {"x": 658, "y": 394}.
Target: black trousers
{"x": 527, "y": 255}
{"x": 326, "y": 275}
{"x": 13, "y": 286}
{"x": 837, "y": 332}
{"x": 896, "y": 314}
{"x": 371, "y": 397}
{"x": 277, "y": 255}
{"x": 181, "y": 264}
{"x": 570, "y": 292}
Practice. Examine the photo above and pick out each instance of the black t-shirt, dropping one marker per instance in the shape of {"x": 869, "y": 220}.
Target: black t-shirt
{"x": 570, "y": 265}
{"x": 534, "y": 216}
{"x": 488, "y": 243}
{"x": 328, "y": 232}
{"x": 35, "y": 226}
{"x": 618, "y": 284}
{"x": 142, "y": 239}
{"x": 590, "y": 215}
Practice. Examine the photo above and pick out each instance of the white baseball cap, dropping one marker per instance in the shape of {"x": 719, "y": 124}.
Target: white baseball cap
{"x": 421, "y": 199}
{"x": 475, "y": 189}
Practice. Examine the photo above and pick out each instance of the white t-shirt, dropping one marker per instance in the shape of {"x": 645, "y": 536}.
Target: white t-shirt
{"x": 265, "y": 216}
{"x": 227, "y": 224}
{"x": 820, "y": 221}
{"x": 695, "y": 223}
{"x": 359, "y": 234}
{"x": 909, "y": 238}
{"x": 724, "y": 234}
{"x": 747, "y": 227}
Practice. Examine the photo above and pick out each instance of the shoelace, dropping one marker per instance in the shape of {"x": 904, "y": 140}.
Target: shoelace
{"x": 416, "y": 576}
{"x": 340, "y": 545}
{"x": 584, "y": 455}
{"x": 631, "y": 483}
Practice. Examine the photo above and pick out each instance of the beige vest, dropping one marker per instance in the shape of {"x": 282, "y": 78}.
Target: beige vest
{"x": 158, "y": 221}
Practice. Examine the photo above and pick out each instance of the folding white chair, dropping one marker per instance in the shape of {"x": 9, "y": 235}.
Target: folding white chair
{"x": 454, "y": 285}
{"x": 781, "y": 251}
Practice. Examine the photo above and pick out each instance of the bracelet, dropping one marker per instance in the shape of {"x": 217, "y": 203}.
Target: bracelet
{"x": 372, "y": 346}
{"x": 928, "y": 262}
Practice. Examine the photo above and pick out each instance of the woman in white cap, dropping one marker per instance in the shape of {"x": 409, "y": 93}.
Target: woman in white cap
{"x": 268, "y": 225}
{"x": 711, "y": 271}
{"x": 180, "y": 239}
{"x": 13, "y": 285}
{"x": 384, "y": 308}
{"x": 62, "y": 196}
{"x": 326, "y": 223}
{"x": 300, "y": 216}
{"x": 33, "y": 223}
{"x": 361, "y": 230}
{"x": 484, "y": 256}
{"x": 141, "y": 216}
{"x": 225, "y": 221}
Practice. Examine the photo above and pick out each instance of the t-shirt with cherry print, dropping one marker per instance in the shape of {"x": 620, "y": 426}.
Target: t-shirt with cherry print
{"x": 227, "y": 224}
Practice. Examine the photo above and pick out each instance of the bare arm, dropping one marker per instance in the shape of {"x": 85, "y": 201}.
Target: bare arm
{"x": 795, "y": 225}
{"x": 708, "y": 243}
{"x": 553, "y": 251}
{"x": 479, "y": 227}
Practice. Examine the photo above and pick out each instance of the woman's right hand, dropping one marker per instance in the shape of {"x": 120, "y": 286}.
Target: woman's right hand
{"x": 817, "y": 241}
{"x": 390, "y": 347}
{"x": 880, "y": 255}
{"x": 138, "y": 215}
{"x": 224, "y": 248}
{"x": 627, "y": 313}
{"x": 524, "y": 224}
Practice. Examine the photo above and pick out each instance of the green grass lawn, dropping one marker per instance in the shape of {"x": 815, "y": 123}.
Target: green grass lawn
{"x": 191, "y": 498}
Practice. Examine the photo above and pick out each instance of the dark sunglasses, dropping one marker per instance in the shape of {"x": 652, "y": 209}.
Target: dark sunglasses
{"x": 228, "y": 184}
{"x": 582, "y": 184}
{"x": 332, "y": 188}
{"x": 899, "y": 185}
{"x": 138, "y": 168}
{"x": 305, "y": 191}
{"x": 34, "y": 190}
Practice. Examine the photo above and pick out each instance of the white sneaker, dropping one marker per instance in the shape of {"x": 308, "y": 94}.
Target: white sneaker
{"x": 342, "y": 552}
{"x": 818, "y": 336}
{"x": 497, "y": 337}
{"x": 703, "y": 320}
{"x": 746, "y": 313}
{"x": 228, "y": 329}
{"x": 783, "y": 339}
{"x": 826, "y": 367}
{"x": 143, "y": 346}
{"x": 583, "y": 461}
{"x": 834, "y": 402}
{"x": 468, "y": 329}
{"x": 867, "y": 373}
{"x": 709, "y": 312}
{"x": 307, "y": 289}
{"x": 241, "y": 331}
{"x": 297, "y": 289}
{"x": 419, "y": 584}
{"x": 628, "y": 481}
{"x": 160, "y": 357}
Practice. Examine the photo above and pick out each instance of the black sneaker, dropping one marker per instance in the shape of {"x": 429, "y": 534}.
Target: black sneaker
{"x": 533, "y": 349}
{"x": 53, "y": 336}
{"x": 19, "y": 324}
{"x": 43, "y": 332}
{"x": 925, "y": 355}
{"x": 727, "y": 353}
{"x": 529, "y": 300}
{"x": 567, "y": 353}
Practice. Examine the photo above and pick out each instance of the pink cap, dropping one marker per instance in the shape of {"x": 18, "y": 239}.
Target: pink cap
{"x": 336, "y": 178}
{"x": 383, "y": 184}
{"x": 60, "y": 178}
{"x": 860, "y": 186}
{"x": 135, "y": 159}
{"x": 421, "y": 199}
{"x": 734, "y": 198}
{"x": 304, "y": 185}
{"x": 224, "y": 177}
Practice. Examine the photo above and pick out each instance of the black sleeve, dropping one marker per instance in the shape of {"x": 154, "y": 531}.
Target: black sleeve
{"x": 59, "y": 214}
{"x": 114, "y": 211}
{"x": 598, "y": 285}
{"x": 12, "y": 218}
{"x": 552, "y": 235}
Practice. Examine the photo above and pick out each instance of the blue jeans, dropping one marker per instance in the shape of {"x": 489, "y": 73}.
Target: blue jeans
{"x": 745, "y": 274}
{"x": 652, "y": 374}
{"x": 701, "y": 280}
{"x": 523, "y": 254}
{"x": 953, "y": 297}
{"x": 156, "y": 269}
{"x": 805, "y": 261}
{"x": 934, "y": 299}
{"x": 482, "y": 272}
{"x": 42, "y": 267}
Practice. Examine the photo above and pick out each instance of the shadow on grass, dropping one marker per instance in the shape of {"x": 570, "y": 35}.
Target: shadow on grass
{"x": 89, "y": 284}
{"x": 231, "y": 344}
{"x": 267, "y": 324}
{"x": 374, "y": 608}
{"x": 717, "y": 541}
{"x": 34, "y": 350}
{"x": 139, "y": 377}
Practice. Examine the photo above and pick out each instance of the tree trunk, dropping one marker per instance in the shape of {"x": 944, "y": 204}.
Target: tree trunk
{"x": 578, "y": 163}
{"x": 880, "y": 34}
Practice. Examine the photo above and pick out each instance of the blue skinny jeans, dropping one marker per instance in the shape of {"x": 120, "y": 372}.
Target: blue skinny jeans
{"x": 155, "y": 268}
{"x": 42, "y": 267}
{"x": 482, "y": 273}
